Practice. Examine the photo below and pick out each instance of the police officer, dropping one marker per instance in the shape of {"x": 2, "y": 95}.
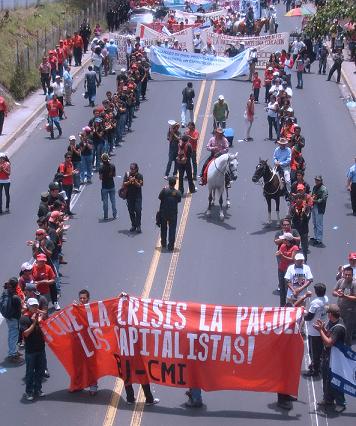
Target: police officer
{"x": 170, "y": 197}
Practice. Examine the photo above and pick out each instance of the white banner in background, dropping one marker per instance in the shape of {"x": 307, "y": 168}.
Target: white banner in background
{"x": 150, "y": 36}
{"x": 265, "y": 45}
{"x": 193, "y": 16}
{"x": 195, "y": 66}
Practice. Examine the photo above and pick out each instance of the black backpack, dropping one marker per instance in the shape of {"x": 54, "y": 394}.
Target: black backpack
{"x": 6, "y": 304}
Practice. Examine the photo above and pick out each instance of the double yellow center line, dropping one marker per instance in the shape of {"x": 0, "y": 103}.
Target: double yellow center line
{"x": 118, "y": 387}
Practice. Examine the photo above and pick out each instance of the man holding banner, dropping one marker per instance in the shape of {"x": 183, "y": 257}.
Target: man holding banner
{"x": 332, "y": 333}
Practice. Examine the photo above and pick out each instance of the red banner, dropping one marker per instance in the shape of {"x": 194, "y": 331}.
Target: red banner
{"x": 179, "y": 344}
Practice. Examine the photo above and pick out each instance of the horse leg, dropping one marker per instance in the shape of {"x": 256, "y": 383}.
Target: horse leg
{"x": 208, "y": 211}
{"x": 228, "y": 204}
{"x": 213, "y": 197}
{"x": 277, "y": 207}
{"x": 269, "y": 207}
{"x": 221, "y": 215}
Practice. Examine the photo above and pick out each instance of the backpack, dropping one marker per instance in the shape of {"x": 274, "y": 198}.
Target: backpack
{"x": 6, "y": 304}
{"x": 182, "y": 153}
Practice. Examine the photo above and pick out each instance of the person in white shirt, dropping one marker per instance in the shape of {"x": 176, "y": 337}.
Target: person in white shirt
{"x": 288, "y": 66}
{"x": 58, "y": 90}
{"x": 316, "y": 311}
{"x": 209, "y": 49}
{"x": 297, "y": 47}
{"x": 298, "y": 277}
{"x": 352, "y": 260}
{"x": 197, "y": 43}
{"x": 97, "y": 59}
{"x": 129, "y": 49}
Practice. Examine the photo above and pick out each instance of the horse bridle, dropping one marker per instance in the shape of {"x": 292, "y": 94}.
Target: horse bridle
{"x": 269, "y": 181}
{"x": 228, "y": 171}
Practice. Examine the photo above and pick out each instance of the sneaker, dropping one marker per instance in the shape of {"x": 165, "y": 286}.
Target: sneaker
{"x": 28, "y": 396}
{"x": 15, "y": 359}
{"x": 40, "y": 394}
{"x": 339, "y": 408}
{"x": 132, "y": 229}
{"x": 138, "y": 230}
{"x": 285, "y": 405}
{"x": 46, "y": 374}
{"x": 130, "y": 402}
{"x": 193, "y": 404}
{"x": 56, "y": 306}
{"x": 324, "y": 403}
{"x": 155, "y": 401}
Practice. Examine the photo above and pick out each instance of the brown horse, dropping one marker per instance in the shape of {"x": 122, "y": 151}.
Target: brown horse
{"x": 239, "y": 27}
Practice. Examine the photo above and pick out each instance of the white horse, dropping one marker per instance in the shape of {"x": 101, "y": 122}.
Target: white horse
{"x": 225, "y": 163}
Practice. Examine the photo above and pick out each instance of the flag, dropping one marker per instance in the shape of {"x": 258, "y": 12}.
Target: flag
{"x": 166, "y": 31}
{"x": 343, "y": 369}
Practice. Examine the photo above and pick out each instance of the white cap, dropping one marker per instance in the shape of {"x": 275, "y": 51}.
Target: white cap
{"x": 2, "y": 155}
{"x": 32, "y": 302}
{"x": 221, "y": 97}
{"x": 172, "y": 122}
{"x": 299, "y": 256}
{"x": 26, "y": 266}
{"x": 72, "y": 138}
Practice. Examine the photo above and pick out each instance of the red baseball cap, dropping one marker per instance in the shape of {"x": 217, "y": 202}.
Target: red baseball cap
{"x": 300, "y": 187}
{"x": 41, "y": 256}
{"x": 352, "y": 255}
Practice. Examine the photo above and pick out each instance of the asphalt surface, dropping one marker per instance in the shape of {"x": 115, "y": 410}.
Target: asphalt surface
{"x": 230, "y": 262}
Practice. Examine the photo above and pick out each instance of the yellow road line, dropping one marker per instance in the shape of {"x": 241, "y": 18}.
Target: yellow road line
{"x": 118, "y": 386}
{"x": 139, "y": 405}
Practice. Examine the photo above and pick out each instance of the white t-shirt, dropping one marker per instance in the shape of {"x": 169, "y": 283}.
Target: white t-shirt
{"x": 297, "y": 275}
{"x": 318, "y": 308}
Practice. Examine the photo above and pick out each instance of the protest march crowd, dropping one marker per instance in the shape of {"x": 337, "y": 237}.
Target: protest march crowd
{"x": 26, "y": 299}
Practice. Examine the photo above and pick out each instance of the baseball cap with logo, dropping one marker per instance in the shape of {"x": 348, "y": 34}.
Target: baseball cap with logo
{"x": 41, "y": 257}
{"x": 352, "y": 256}
{"x": 27, "y": 266}
{"x": 32, "y": 302}
{"x": 299, "y": 256}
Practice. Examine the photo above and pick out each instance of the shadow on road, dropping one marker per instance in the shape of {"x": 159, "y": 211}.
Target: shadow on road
{"x": 214, "y": 219}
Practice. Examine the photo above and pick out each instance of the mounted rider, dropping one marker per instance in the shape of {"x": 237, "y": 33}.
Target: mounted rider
{"x": 282, "y": 159}
{"x": 217, "y": 146}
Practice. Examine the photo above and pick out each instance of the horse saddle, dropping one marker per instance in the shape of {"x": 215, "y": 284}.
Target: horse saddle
{"x": 204, "y": 179}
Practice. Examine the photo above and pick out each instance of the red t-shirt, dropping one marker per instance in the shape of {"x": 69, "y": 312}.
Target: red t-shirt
{"x": 284, "y": 263}
{"x": 256, "y": 83}
{"x": 53, "y": 107}
{"x": 194, "y": 141}
{"x": 66, "y": 169}
{"x": 43, "y": 273}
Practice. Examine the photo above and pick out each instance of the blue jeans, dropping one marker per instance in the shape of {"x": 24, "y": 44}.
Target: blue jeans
{"x": 300, "y": 79}
{"x": 317, "y": 223}
{"x": 130, "y": 114}
{"x": 13, "y": 335}
{"x": 77, "y": 177}
{"x": 120, "y": 127}
{"x": 98, "y": 70}
{"x": 91, "y": 93}
{"x": 105, "y": 194}
{"x": 172, "y": 156}
{"x": 87, "y": 167}
{"x": 184, "y": 114}
{"x": 98, "y": 150}
{"x": 55, "y": 263}
{"x": 35, "y": 367}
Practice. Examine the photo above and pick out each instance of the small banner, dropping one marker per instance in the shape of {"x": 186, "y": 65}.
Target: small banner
{"x": 343, "y": 369}
{"x": 179, "y": 344}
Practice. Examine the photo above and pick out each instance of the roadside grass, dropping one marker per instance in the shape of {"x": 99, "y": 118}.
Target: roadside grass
{"x": 21, "y": 31}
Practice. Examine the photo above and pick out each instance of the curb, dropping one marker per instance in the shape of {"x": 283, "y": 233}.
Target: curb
{"x": 348, "y": 84}
{"x": 35, "y": 113}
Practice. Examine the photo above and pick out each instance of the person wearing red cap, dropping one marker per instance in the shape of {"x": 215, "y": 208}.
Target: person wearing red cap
{"x": 3, "y": 113}
{"x": 44, "y": 278}
{"x": 352, "y": 264}
{"x": 52, "y": 59}
{"x": 300, "y": 214}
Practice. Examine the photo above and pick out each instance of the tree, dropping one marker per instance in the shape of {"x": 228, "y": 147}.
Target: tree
{"x": 319, "y": 24}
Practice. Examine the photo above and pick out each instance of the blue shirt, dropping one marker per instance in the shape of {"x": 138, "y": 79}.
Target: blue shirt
{"x": 351, "y": 174}
{"x": 283, "y": 156}
{"x": 67, "y": 77}
{"x": 112, "y": 50}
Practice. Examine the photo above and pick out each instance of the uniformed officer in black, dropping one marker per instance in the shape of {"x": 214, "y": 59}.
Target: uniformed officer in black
{"x": 170, "y": 197}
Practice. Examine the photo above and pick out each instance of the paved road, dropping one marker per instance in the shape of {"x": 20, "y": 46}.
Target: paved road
{"x": 229, "y": 262}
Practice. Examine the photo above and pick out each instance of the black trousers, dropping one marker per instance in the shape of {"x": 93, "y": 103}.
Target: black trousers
{"x": 186, "y": 168}
{"x": 2, "y": 118}
{"x": 267, "y": 94}
{"x": 337, "y": 68}
{"x": 171, "y": 222}
{"x": 68, "y": 190}
{"x": 130, "y": 394}
{"x": 6, "y": 187}
{"x": 77, "y": 53}
{"x": 353, "y": 197}
{"x": 282, "y": 288}
{"x": 256, "y": 94}
{"x": 134, "y": 206}
{"x": 46, "y": 82}
{"x": 144, "y": 89}
{"x": 315, "y": 351}
{"x": 304, "y": 243}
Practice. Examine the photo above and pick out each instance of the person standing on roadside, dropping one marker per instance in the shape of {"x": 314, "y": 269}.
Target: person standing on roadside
{"x": 320, "y": 196}
{"x": 107, "y": 174}
{"x": 3, "y": 113}
{"x": 351, "y": 186}
{"x": 45, "y": 74}
{"x": 10, "y": 308}
{"x": 345, "y": 291}
{"x": 58, "y": 90}
{"x": 75, "y": 151}
{"x": 67, "y": 170}
{"x": 113, "y": 54}
{"x": 78, "y": 46}
{"x": 338, "y": 59}
{"x": 68, "y": 85}
{"x": 86, "y": 149}
{"x": 184, "y": 164}
{"x": 268, "y": 77}
{"x": 133, "y": 181}
{"x": 187, "y": 103}
{"x": 173, "y": 138}
{"x": 300, "y": 215}
{"x": 85, "y": 32}
{"x": 91, "y": 82}
{"x": 331, "y": 333}
{"x": 168, "y": 213}
{"x": 249, "y": 116}
{"x": 5, "y": 171}
{"x": 35, "y": 354}
{"x": 256, "y": 86}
